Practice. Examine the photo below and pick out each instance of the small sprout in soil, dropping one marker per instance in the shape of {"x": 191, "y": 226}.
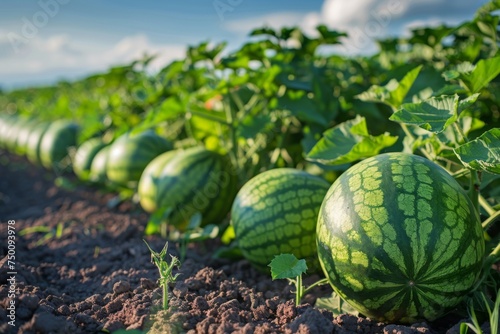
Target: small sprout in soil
{"x": 49, "y": 232}
{"x": 165, "y": 269}
{"x": 289, "y": 267}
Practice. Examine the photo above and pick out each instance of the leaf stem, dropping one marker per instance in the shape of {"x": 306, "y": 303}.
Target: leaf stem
{"x": 496, "y": 252}
{"x": 486, "y": 206}
{"x": 410, "y": 135}
{"x": 317, "y": 283}
{"x": 474, "y": 190}
{"x": 486, "y": 224}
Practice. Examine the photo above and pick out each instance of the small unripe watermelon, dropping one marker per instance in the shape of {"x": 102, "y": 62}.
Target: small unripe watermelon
{"x": 84, "y": 156}
{"x": 189, "y": 181}
{"x": 276, "y": 212}
{"x": 399, "y": 239}
{"x": 97, "y": 172}
{"x": 33, "y": 142}
{"x": 131, "y": 153}
{"x": 55, "y": 142}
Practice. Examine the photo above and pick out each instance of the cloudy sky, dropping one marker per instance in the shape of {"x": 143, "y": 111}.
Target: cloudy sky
{"x": 42, "y": 41}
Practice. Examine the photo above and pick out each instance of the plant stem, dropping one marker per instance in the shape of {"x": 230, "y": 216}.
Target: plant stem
{"x": 299, "y": 288}
{"x": 496, "y": 252}
{"x": 165, "y": 294}
{"x": 474, "y": 189}
{"x": 486, "y": 206}
{"x": 408, "y": 134}
{"x": 317, "y": 283}
{"x": 490, "y": 220}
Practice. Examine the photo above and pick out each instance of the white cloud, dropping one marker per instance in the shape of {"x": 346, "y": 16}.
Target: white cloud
{"x": 275, "y": 21}
{"x": 364, "y": 20}
{"x": 61, "y": 56}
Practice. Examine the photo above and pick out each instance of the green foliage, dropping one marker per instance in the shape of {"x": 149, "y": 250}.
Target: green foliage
{"x": 349, "y": 142}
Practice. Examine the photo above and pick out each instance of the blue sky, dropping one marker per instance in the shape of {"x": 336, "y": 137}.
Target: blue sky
{"x": 42, "y": 41}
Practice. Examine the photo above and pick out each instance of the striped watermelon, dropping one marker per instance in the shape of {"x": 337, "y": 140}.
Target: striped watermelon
{"x": 33, "y": 143}
{"x": 131, "y": 153}
{"x": 84, "y": 156}
{"x": 399, "y": 239}
{"x": 189, "y": 181}
{"x": 276, "y": 212}
{"x": 23, "y": 136}
{"x": 97, "y": 172}
{"x": 55, "y": 142}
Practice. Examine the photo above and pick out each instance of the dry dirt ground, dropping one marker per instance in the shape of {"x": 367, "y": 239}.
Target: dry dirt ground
{"x": 96, "y": 275}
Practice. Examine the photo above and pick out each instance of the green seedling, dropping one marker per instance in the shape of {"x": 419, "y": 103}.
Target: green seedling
{"x": 49, "y": 232}
{"x": 493, "y": 316}
{"x": 287, "y": 266}
{"x": 165, "y": 269}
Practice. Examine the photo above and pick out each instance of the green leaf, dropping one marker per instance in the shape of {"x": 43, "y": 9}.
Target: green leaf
{"x": 194, "y": 221}
{"x": 464, "y": 104}
{"x": 228, "y": 235}
{"x": 349, "y": 142}
{"x": 302, "y": 107}
{"x": 434, "y": 114}
{"x": 485, "y": 71}
{"x": 287, "y": 266}
{"x": 336, "y": 305}
{"x": 250, "y": 126}
{"x": 483, "y": 153}
{"x": 394, "y": 92}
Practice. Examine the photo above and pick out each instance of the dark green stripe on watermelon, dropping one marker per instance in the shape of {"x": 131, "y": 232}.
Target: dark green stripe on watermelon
{"x": 276, "y": 212}
{"x": 399, "y": 239}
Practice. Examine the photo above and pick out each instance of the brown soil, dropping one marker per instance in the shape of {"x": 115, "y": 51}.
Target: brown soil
{"x": 98, "y": 276}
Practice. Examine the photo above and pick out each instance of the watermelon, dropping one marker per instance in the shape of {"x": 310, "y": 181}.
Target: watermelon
{"x": 276, "y": 212}
{"x": 189, "y": 181}
{"x": 12, "y": 132}
{"x": 55, "y": 142}
{"x": 97, "y": 171}
{"x": 399, "y": 239}
{"x": 131, "y": 153}
{"x": 33, "y": 142}
{"x": 84, "y": 156}
{"x": 23, "y": 136}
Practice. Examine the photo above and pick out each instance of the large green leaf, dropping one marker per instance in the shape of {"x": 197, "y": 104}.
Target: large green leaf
{"x": 434, "y": 114}
{"x": 483, "y": 153}
{"x": 485, "y": 71}
{"x": 394, "y": 92}
{"x": 349, "y": 142}
{"x": 303, "y": 107}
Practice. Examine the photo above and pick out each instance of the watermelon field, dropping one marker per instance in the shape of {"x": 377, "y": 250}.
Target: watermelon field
{"x": 277, "y": 188}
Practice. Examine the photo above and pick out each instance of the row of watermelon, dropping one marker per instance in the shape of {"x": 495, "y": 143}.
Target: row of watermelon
{"x": 384, "y": 242}
{"x": 188, "y": 181}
